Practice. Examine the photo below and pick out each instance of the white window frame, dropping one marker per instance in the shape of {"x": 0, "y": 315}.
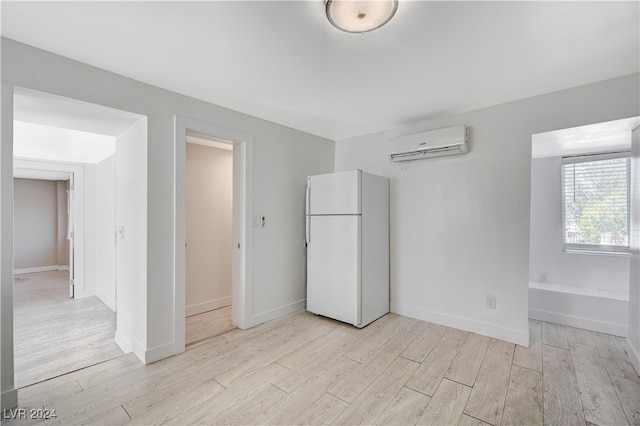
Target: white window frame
{"x": 594, "y": 248}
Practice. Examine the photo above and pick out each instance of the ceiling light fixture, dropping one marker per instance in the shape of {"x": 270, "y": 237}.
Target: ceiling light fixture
{"x": 354, "y": 16}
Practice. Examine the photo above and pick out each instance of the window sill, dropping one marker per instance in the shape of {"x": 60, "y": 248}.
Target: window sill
{"x": 597, "y": 252}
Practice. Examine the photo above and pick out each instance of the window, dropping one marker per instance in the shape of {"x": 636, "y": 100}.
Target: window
{"x": 595, "y": 202}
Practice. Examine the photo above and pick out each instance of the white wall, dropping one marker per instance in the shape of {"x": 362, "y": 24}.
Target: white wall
{"x": 547, "y": 262}
{"x": 90, "y": 229}
{"x": 460, "y": 225}
{"x": 131, "y": 247}
{"x": 35, "y": 224}
{"x": 9, "y": 394}
{"x": 634, "y": 282}
{"x": 209, "y": 192}
{"x": 282, "y": 158}
{"x": 105, "y": 250}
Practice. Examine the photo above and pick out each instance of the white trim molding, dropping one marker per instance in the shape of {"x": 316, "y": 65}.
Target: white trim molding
{"x": 241, "y": 312}
{"x": 36, "y": 269}
{"x": 277, "y": 312}
{"x": 466, "y": 324}
{"x": 209, "y": 305}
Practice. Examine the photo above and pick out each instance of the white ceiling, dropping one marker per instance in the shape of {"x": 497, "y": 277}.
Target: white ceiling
{"x": 284, "y": 62}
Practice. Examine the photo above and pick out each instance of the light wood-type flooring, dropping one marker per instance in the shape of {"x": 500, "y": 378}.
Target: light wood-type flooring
{"x": 303, "y": 369}
{"x": 202, "y": 327}
{"x": 55, "y": 334}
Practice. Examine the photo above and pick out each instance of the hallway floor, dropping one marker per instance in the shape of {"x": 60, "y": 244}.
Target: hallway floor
{"x": 55, "y": 334}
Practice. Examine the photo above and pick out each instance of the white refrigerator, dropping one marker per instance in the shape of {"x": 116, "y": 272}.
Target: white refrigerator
{"x": 347, "y": 237}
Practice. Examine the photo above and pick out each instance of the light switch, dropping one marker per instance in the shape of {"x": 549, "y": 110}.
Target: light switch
{"x": 258, "y": 221}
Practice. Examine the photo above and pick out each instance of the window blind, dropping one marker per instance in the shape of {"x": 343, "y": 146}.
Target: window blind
{"x": 596, "y": 202}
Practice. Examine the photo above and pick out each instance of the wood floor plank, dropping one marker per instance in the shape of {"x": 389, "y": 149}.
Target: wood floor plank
{"x": 447, "y": 405}
{"x": 578, "y": 335}
{"x": 424, "y": 343}
{"x": 313, "y": 365}
{"x": 281, "y": 372}
{"x": 614, "y": 357}
{"x": 293, "y": 340}
{"x": 203, "y": 408}
{"x": 531, "y": 357}
{"x": 628, "y": 392}
{"x": 435, "y": 366}
{"x": 599, "y": 399}
{"x": 324, "y": 412}
{"x": 312, "y": 348}
{"x": 364, "y": 374}
{"x": 161, "y": 410}
{"x": 562, "y": 404}
{"x": 467, "y": 420}
{"x": 377, "y": 334}
{"x": 486, "y": 401}
{"x": 251, "y": 410}
{"x": 55, "y": 334}
{"x": 524, "y": 404}
{"x": 114, "y": 416}
{"x": 307, "y": 394}
{"x": 405, "y": 409}
{"x": 204, "y": 326}
{"x": 466, "y": 364}
{"x": 372, "y": 402}
{"x": 554, "y": 335}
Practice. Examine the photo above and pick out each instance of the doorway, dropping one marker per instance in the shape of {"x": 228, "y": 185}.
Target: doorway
{"x": 241, "y": 289}
{"x": 579, "y": 244}
{"x": 209, "y": 234}
{"x": 76, "y": 326}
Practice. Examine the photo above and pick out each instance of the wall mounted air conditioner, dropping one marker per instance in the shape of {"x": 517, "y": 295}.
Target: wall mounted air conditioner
{"x": 434, "y": 143}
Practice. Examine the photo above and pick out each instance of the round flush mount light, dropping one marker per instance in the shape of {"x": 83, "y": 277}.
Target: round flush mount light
{"x": 354, "y": 16}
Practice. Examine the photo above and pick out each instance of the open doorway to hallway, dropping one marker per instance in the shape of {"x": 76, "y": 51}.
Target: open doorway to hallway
{"x": 209, "y": 237}
{"x": 57, "y": 330}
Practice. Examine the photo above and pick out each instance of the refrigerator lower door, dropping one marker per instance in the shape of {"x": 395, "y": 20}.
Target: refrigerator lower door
{"x": 333, "y": 267}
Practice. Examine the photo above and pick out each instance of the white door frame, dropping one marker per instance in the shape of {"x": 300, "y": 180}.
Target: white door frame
{"x": 77, "y": 171}
{"x": 241, "y": 294}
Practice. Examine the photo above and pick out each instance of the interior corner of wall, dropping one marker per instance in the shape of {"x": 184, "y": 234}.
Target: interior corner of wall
{"x": 123, "y": 343}
{"x": 634, "y": 354}
{"x": 9, "y": 399}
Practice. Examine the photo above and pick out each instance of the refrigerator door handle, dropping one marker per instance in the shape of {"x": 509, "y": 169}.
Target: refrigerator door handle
{"x": 308, "y": 200}
{"x": 308, "y": 230}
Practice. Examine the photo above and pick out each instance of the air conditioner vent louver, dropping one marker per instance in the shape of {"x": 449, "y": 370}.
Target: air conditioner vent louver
{"x": 434, "y": 143}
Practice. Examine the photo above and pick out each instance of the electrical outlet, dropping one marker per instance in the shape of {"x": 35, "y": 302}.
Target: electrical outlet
{"x": 491, "y": 301}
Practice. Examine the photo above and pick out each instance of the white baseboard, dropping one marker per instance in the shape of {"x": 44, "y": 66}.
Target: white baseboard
{"x": 63, "y": 268}
{"x": 601, "y": 312}
{"x": 36, "y": 269}
{"x": 158, "y": 353}
{"x": 491, "y": 330}
{"x": 276, "y": 313}
{"x": 123, "y": 343}
{"x": 210, "y": 305}
{"x": 9, "y": 399}
{"x": 634, "y": 354}
{"x": 579, "y": 322}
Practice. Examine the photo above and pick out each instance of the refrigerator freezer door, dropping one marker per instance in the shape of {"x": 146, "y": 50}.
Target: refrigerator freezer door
{"x": 334, "y": 193}
{"x": 333, "y": 268}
